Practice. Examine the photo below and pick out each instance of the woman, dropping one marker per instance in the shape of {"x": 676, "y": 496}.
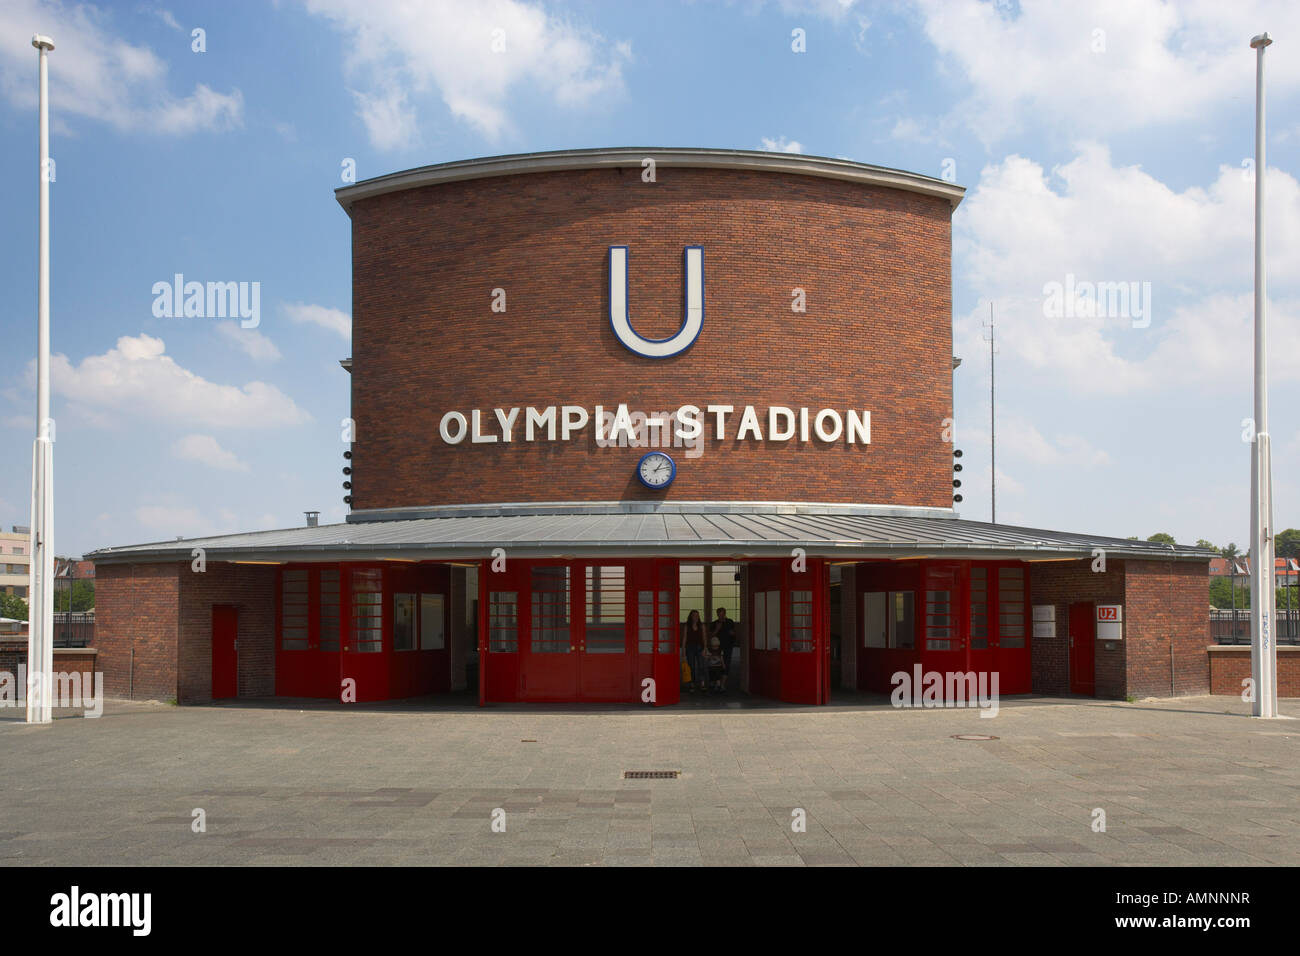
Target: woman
{"x": 693, "y": 645}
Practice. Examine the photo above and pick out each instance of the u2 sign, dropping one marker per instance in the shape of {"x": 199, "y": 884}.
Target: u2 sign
{"x": 1110, "y": 622}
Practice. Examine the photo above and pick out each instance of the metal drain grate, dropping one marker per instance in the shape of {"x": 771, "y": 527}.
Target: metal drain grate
{"x": 651, "y": 774}
{"x": 974, "y": 737}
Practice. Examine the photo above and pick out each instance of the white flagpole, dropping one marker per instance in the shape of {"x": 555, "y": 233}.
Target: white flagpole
{"x": 40, "y": 617}
{"x": 1263, "y": 643}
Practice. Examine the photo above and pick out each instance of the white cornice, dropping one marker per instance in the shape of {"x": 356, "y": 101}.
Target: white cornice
{"x": 630, "y": 157}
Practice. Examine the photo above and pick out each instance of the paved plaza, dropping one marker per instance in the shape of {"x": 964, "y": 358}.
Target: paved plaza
{"x": 1185, "y": 781}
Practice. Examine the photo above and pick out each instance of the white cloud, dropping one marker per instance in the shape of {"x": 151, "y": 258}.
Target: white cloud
{"x": 1022, "y": 439}
{"x": 389, "y": 119}
{"x": 829, "y": 9}
{"x": 174, "y": 520}
{"x": 96, "y": 74}
{"x": 327, "y": 318}
{"x": 167, "y": 18}
{"x": 252, "y": 342}
{"x": 782, "y": 145}
{"x": 400, "y": 52}
{"x": 136, "y": 377}
{"x": 1153, "y": 62}
{"x": 206, "y": 450}
{"x": 912, "y": 130}
{"x": 1090, "y": 221}
{"x": 203, "y": 109}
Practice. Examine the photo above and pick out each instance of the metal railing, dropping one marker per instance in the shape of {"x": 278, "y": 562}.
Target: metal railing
{"x": 73, "y": 629}
{"x": 1233, "y": 627}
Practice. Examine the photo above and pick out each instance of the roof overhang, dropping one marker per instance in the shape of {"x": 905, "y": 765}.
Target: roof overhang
{"x": 712, "y": 536}
{"x": 631, "y": 157}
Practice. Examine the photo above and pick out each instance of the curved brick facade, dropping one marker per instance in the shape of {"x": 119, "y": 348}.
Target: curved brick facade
{"x": 874, "y": 262}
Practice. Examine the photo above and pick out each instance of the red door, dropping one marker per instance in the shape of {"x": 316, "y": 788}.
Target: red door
{"x": 803, "y": 638}
{"x": 1013, "y": 630}
{"x": 766, "y": 617}
{"x": 363, "y": 668}
{"x": 1083, "y": 645}
{"x": 307, "y": 632}
{"x": 606, "y": 652}
{"x": 941, "y": 637}
{"x": 419, "y": 660}
{"x": 503, "y": 594}
{"x": 982, "y": 614}
{"x": 225, "y": 670}
{"x": 653, "y": 593}
{"x": 548, "y": 646}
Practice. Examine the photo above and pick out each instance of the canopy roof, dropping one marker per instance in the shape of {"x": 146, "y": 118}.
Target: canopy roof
{"x": 704, "y": 535}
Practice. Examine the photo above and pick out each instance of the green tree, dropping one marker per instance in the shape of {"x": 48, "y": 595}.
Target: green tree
{"x": 1287, "y": 543}
{"x": 12, "y": 606}
{"x": 1207, "y": 545}
{"x": 81, "y": 593}
{"x": 1230, "y": 551}
{"x": 1161, "y": 538}
{"x": 1222, "y": 594}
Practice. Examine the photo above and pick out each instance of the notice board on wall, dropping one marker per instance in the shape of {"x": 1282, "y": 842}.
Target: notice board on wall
{"x": 1044, "y": 620}
{"x": 1110, "y": 622}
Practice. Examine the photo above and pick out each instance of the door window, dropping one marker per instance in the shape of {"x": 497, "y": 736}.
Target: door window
{"x": 606, "y": 615}
{"x": 801, "y": 631}
{"x": 550, "y": 628}
{"x": 979, "y": 608}
{"x": 1011, "y": 607}
{"x": 403, "y": 622}
{"x": 889, "y": 619}
{"x": 367, "y": 610}
{"x": 503, "y": 622}
{"x": 667, "y": 623}
{"x": 293, "y": 610}
{"x": 329, "y": 610}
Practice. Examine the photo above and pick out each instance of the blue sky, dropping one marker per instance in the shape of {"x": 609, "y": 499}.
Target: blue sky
{"x": 1102, "y": 141}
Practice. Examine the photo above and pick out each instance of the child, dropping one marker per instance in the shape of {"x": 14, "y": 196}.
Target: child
{"x": 716, "y": 666}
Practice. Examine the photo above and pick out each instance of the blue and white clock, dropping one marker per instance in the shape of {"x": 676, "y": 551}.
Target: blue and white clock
{"x": 656, "y": 470}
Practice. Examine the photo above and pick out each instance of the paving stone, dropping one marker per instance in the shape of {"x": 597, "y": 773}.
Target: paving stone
{"x": 1182, "y": 783}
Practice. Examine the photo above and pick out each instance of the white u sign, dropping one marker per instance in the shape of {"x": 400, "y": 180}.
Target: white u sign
{"x": 694, "y": 306}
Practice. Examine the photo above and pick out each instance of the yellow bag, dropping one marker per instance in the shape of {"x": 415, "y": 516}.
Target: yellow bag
{"x": 686, "y": 673}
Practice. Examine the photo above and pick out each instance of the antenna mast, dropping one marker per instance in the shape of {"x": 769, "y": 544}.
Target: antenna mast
{"x": 993, "y": 429}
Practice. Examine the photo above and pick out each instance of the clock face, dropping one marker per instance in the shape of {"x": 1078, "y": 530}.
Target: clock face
{"x": 656, "y": 470}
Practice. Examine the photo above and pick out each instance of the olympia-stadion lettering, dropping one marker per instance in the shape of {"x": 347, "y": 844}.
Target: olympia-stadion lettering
{"x": 688, "y": 423}
{"x": 620, "y": 426}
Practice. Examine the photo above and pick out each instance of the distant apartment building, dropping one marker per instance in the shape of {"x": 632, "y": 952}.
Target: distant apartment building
{"x": 15, "y": 561}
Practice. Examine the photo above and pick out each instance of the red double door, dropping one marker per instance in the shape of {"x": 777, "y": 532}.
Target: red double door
{"x": 788, "y": 631}
{"x": 947, "y": 617}
{"x": 579, "y": 631}
{"x": 977, "y": 618}
{"x": 362, "y": 632}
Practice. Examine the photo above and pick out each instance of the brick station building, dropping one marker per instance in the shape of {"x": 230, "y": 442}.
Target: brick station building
{"x": 594, "y": 390}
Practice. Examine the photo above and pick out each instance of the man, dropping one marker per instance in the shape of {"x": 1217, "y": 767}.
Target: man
{"x": 724, "y": 629}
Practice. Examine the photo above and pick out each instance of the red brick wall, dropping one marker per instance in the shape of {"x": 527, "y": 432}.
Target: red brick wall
{"x": 877, "y": 335}
{"x": 1167, "y": 627}
{"x": 1230, "y": 665}
{"x": 1062, "y": 584}
{"x": 13, "y": 656}
{"x": 251, "y": 589}
{"x": 136, "y": 610}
